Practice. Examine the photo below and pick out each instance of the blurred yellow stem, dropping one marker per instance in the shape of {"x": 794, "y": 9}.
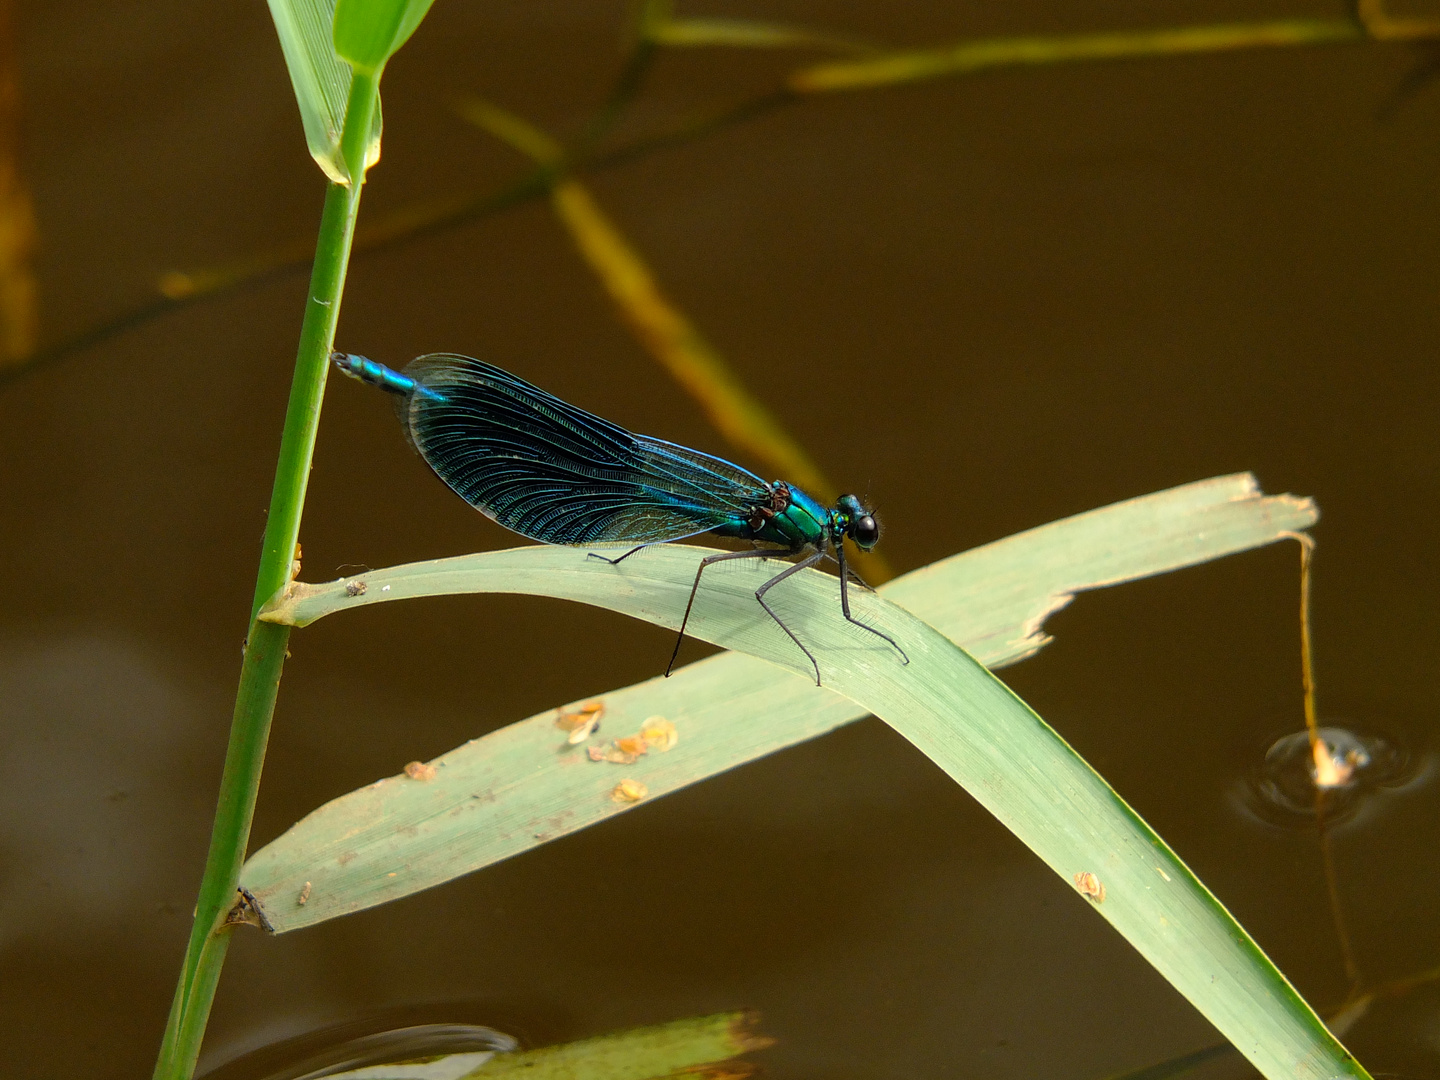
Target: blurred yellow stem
{"x": 917, "y": 64}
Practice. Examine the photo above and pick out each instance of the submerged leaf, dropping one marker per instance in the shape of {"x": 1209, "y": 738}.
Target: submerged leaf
{"x": 647, "y": 1053}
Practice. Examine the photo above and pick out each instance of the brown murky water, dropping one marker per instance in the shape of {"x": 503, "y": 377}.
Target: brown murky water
{"x": 986, "y": 303}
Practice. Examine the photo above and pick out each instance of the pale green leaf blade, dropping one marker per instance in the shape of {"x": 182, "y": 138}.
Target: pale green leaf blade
{"x": 396, "y": 837}
{"x": 955, "y": 712}
{"x": 415, "y": 12}
{"x": 368, "y": 32}
{"x": 321, "y": 81}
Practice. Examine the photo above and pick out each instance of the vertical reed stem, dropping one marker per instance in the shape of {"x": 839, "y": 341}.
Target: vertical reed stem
{"x": 265, "y": 647}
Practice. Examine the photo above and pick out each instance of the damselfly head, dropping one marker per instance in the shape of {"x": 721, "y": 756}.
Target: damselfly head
{"x": 859, "y": 524}
{"x": 865, "y": 531}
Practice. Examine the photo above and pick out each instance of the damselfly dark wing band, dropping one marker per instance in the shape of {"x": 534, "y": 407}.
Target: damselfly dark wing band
{"x": 545, "y": 469}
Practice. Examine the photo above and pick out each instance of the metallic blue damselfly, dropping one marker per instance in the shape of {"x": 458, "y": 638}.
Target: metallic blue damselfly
{"x": 555, "y": 473}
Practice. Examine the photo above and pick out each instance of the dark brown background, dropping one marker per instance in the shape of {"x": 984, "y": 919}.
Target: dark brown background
{"x": 985, "y": 303}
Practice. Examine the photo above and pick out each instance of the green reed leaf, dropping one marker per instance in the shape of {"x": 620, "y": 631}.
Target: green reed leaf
{"x": 943, "y": 701}
{"x": 321, "y": 81}
{"x": 368, "y": 32}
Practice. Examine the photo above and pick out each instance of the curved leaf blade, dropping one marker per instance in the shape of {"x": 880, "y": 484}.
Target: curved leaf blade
{"x": 971, "y": 725}
{"x": 392, "y": 838}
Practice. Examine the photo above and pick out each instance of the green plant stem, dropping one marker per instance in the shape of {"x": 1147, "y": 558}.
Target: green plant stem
{"x": 355, "y": 139}
{"x": 265, "y": 648}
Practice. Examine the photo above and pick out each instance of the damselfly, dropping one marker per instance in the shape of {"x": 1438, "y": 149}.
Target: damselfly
{"x": 555, "y": 473}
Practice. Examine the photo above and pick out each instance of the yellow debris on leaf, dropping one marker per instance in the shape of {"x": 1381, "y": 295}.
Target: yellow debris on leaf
{"x": 629, "y": 791}
{"x": 613, "y": 754}
{"x": 632, "y": 744}
{"x": 581, "y": 723}
{"x": 1090, "y": 886}
{"x": 659, "y": 734}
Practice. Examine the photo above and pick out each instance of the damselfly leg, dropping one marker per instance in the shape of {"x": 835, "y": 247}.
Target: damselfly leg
{"x": 621, "y": 558}
{"x": 809, "y": 560}
{"x": 639, "y": 547}
{"x": 845, "y": 603}
{"x": 759, "y": 553}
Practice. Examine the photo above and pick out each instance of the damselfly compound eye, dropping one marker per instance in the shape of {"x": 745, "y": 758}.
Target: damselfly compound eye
{"x": 865, "y": 531}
